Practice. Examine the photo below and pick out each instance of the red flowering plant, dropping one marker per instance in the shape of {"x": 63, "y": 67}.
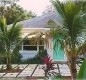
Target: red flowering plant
{"x": 48, "y": 62}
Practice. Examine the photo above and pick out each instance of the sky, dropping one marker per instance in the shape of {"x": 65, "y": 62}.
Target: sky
{"x": 36, "y": 6}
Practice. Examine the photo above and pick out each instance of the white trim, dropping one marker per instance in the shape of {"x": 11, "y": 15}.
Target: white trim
{"x": 38, "y": 28}
{"x": 28, "y": 45}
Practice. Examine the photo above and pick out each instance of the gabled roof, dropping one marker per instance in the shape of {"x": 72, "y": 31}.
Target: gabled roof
{"x": 41, "y": 21}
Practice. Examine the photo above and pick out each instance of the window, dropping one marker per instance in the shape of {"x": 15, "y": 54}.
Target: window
{"x": 29, "y": 47}
{"x": 31, "y": 44}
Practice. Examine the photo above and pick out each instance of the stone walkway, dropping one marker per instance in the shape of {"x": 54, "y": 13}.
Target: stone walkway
{"x": 35, "y": 70}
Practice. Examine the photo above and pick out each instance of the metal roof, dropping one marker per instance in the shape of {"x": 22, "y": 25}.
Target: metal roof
{"x": 41, "y": 21}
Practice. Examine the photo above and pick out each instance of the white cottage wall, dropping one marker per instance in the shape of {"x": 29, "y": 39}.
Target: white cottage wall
{"x": 50, "y": 48}
{"x": 31, "y": 53}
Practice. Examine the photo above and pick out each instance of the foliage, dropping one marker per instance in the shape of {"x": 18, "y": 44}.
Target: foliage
{"x": 13, "y": 11}
{"x": 10, "y": 39}
{"x": 73, "y": 20}
{"x": 42, "y": 53}
{"x": 37, "y": 59}
{"x": 82, "y": 71}
{"x": 2, "y": 58}
{"x": 16, "y": 58}
{"x": 54, "y": 78}
{"x": 5, "y": 2}
{"x": 49, "y": 66}
{"x": 47, "y": 61}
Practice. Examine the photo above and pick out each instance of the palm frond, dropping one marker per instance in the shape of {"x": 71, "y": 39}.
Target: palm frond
{"x": 71, "y": 11}
{"x": 59, "y": 7}
{"x": 14, "y": 34}
{"x": 15, "y": 25}
{"x": 83, "y": 7}
{"x": 17, "y": 45}
{"x": 72, "y": 20}
{"x": 3, "y": 24}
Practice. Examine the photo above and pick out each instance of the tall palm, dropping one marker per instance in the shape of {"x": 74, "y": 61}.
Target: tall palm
{"x": 73, "y": 20}
{"x": 10, "y": 39}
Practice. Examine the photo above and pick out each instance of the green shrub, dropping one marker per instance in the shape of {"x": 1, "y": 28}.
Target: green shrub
{"x": 16, "y": 58}
{"x": 37, "y": 59}
{"x": 2, "y": 60}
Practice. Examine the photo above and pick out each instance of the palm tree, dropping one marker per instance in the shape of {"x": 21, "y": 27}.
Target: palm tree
{"x": 10, "y": 39}
{"x": 73, "y": 22}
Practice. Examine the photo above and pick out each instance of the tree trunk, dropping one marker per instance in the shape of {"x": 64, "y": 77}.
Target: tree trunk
{"x": 9, "y": 67}
{"x": 73, "y": 68}
{"x": 71, "y": 56}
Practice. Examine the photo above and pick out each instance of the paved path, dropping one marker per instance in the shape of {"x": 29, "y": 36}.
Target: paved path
{"x": 35, "y": 70}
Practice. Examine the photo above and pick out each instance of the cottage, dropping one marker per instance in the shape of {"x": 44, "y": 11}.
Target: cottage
{"x": 40, "y": 24}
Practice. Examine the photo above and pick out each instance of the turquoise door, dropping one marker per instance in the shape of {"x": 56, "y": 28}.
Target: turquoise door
{"x": 58, "y": 51}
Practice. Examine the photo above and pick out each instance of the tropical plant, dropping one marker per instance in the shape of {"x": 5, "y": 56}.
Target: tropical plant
{"x": 82, "y": 71}
{"x": 73, "y": 21}
{"x": 10, "y": 38}
{"x": 49, "y": 67}
{"x": 48, "y": 63}
{"x": 37, "y": 59}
